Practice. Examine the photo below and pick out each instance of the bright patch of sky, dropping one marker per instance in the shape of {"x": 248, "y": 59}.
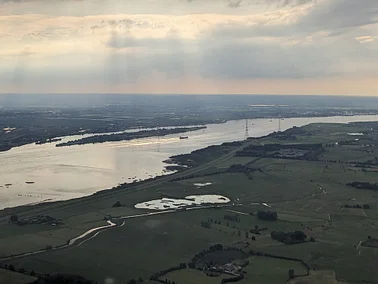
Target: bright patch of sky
{"x": 189, "y": 46}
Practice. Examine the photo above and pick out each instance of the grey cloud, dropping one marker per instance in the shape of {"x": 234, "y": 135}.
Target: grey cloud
{"x": 218, "y": 58}
{"x": 335, "y": 17}
{"x": 285, "y": 3}
{"x": 237, "y": 51}
{"x": 341, "y": 14}
{"x": 234, "y": 3}
{"x": 128, "y": 41}
{"x": 222, "y": 60}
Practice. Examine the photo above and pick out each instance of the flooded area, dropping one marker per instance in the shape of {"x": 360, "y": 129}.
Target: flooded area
{"x": 36, "y": 173}
{"x": 202, "y": 184}
{"x": 173, "y": 203}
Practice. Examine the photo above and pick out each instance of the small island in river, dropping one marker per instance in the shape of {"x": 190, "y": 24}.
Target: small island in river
{"x": 129, "y": 136}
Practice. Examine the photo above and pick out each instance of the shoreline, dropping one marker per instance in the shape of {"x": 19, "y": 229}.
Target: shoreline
{"x": 183, "y": 125}
{"x": 135, "y": 183}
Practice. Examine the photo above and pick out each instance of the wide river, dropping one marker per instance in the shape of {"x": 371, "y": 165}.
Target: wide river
{"x": 67, "y": 172}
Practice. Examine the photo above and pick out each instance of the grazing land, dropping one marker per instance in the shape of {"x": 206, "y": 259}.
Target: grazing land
{"x": 8, "y": 276}
{"x": 302, "y": 185}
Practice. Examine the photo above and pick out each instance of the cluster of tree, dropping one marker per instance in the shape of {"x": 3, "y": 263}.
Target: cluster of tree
{"x": 156, "y": 275}
{"x": 289, "y": 237}
{"x": 363, "y": 185}
{"x": 297, "y": 131}
{"x": 63, "y": 279}
{"x": 256, "y": 230}
{"x": 200, "y": 156}
{"x": 167, "y": 281}
{"x": 370, "y": 242}
{"x": 118, "y": 204}
{"x": 283, "y": 136}
{"x": 210, "y": 220}
{"x": 233, "y": 218}
{"x": 233, "y": 279}
{"x": 291, "y": 273}
{"x": 48, "y": 140}
{"x": 364, "y": 206}
{"x": 313, "y": 150}
{"x": 128, "y": 135}
{"x": 257, "y": 253}
{"x": 135, "y": 281}
{"x": 14, "y": 219}
{"x": 267, "y": 215}
{"x": 202, "y": 253}
{"x": 232, "y": 144}
{"x": 238, "y": 168}
{"x": 205, "y": 224}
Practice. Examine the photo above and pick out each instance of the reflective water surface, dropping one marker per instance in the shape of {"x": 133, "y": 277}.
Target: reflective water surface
{"x": 35, "y": 173}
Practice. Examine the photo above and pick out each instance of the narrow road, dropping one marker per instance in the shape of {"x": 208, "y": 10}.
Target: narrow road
{"x": 87, "y": 236}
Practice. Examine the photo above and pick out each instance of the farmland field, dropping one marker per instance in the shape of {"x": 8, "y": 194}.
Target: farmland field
{"x": 309, "y": 195}
{"x": 7, "y": 276}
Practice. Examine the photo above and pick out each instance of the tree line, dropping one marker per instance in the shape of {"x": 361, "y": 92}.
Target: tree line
{"x": 363, "y": 185}
{"x": 289, "y": 238}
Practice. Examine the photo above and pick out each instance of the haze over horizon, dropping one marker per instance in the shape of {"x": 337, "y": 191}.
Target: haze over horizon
{"x": 189, "y": 46}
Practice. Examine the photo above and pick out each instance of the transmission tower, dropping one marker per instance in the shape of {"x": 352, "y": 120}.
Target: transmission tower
{"x": 246, "y": 129}
{"x": 158, "y": 128}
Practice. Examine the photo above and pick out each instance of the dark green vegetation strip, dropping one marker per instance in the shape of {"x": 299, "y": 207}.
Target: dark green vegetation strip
{"x": 128, "y": 136}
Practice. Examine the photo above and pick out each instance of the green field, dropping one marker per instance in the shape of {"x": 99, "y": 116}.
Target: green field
{"x": 260, "y": 270}
{"x": 11, "y": 277}
{"x": 307, "y": 195}
{"x": 192, "y": 276}
{"x": 265, "y": 270}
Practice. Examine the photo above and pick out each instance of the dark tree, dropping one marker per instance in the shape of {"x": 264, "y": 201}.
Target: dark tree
{"x": 291, "y": 273}
{"x": 289, "y": 237}
{"x": 132, "y": 281}
{"x": 298, "y": 236}
{"x": 366, "y": 206}
{"x": 117, "y": 204}
{"x": 11, "y": 267}
{"x": 267, "y": 215}
{"x": 63, "y": 279}
{"x": 14, "y": 218}
{"x": 21, "y": 270}
{"x": 205, "y": 224}
{"x": 140, "y": 279}
{"x": 253, "y": 238}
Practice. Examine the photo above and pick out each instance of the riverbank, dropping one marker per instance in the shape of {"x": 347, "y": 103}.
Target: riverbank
{"x": 61, "y": 173}
{"x": 303, "y": 193}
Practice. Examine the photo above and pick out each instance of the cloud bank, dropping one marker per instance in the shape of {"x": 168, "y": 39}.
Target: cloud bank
{"x": 189, "y": 46}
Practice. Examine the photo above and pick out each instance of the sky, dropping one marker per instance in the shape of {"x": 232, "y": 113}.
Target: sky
{"x": 189, "y": 46}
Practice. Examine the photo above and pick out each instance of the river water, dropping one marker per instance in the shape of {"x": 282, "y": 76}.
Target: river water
{"x": 62, "y": 173}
